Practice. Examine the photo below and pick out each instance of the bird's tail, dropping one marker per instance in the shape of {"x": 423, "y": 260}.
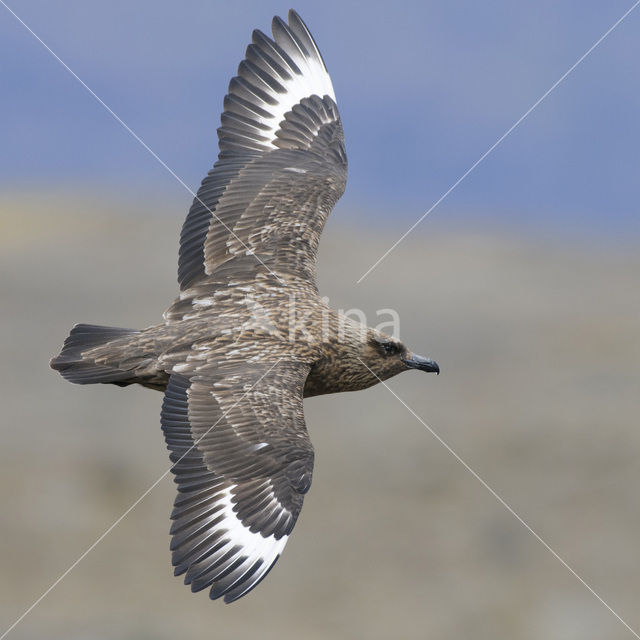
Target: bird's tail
{"x": 93, "y": 354}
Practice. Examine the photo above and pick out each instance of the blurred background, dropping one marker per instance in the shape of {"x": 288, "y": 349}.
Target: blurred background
{"x": 522, "y": 284}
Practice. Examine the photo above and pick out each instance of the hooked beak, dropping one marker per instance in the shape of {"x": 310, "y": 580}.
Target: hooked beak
{"x": 424, "y": 364}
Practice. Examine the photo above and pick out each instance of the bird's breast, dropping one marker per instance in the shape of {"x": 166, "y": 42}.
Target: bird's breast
{"x": 336, "y": 372}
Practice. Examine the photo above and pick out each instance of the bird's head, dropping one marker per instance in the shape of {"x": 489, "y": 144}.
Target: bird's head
{"x": 386, "y": 357}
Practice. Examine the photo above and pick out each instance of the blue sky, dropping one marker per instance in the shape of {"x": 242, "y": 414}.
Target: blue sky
{"x": 424, "y": 89}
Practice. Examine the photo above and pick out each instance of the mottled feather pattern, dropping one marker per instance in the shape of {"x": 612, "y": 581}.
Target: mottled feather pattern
{"x": 249, "y": 336}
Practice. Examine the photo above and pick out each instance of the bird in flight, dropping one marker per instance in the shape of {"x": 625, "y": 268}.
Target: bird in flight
{"x": 249, "y": 336}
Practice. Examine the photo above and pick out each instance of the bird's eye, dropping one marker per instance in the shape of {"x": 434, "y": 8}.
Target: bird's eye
{"x": 389, "y": 348}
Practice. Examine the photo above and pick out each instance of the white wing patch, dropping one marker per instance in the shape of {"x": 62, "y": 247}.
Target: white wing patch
{"x": 244, "y": 547}
{"x": 275, "y": 76}
{"x": 314, "y": 81}
{"x": 266, "y": 548}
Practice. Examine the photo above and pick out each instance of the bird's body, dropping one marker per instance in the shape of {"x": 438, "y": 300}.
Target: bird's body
{"x": 249, "y": 336}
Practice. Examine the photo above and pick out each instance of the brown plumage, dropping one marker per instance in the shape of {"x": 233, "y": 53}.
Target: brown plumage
{"x": 249, "y": 336}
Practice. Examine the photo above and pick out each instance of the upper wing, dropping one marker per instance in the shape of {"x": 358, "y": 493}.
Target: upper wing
{"x": 282, "y": 165}
{"x": 243, "y": 462}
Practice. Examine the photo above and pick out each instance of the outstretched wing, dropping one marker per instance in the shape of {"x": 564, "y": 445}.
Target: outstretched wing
{"x": 242, "y": 462}
{"x": 282, "y": 166}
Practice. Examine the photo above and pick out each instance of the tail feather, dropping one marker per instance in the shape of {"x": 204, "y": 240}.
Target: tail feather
{"x": 75, "y": 365}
